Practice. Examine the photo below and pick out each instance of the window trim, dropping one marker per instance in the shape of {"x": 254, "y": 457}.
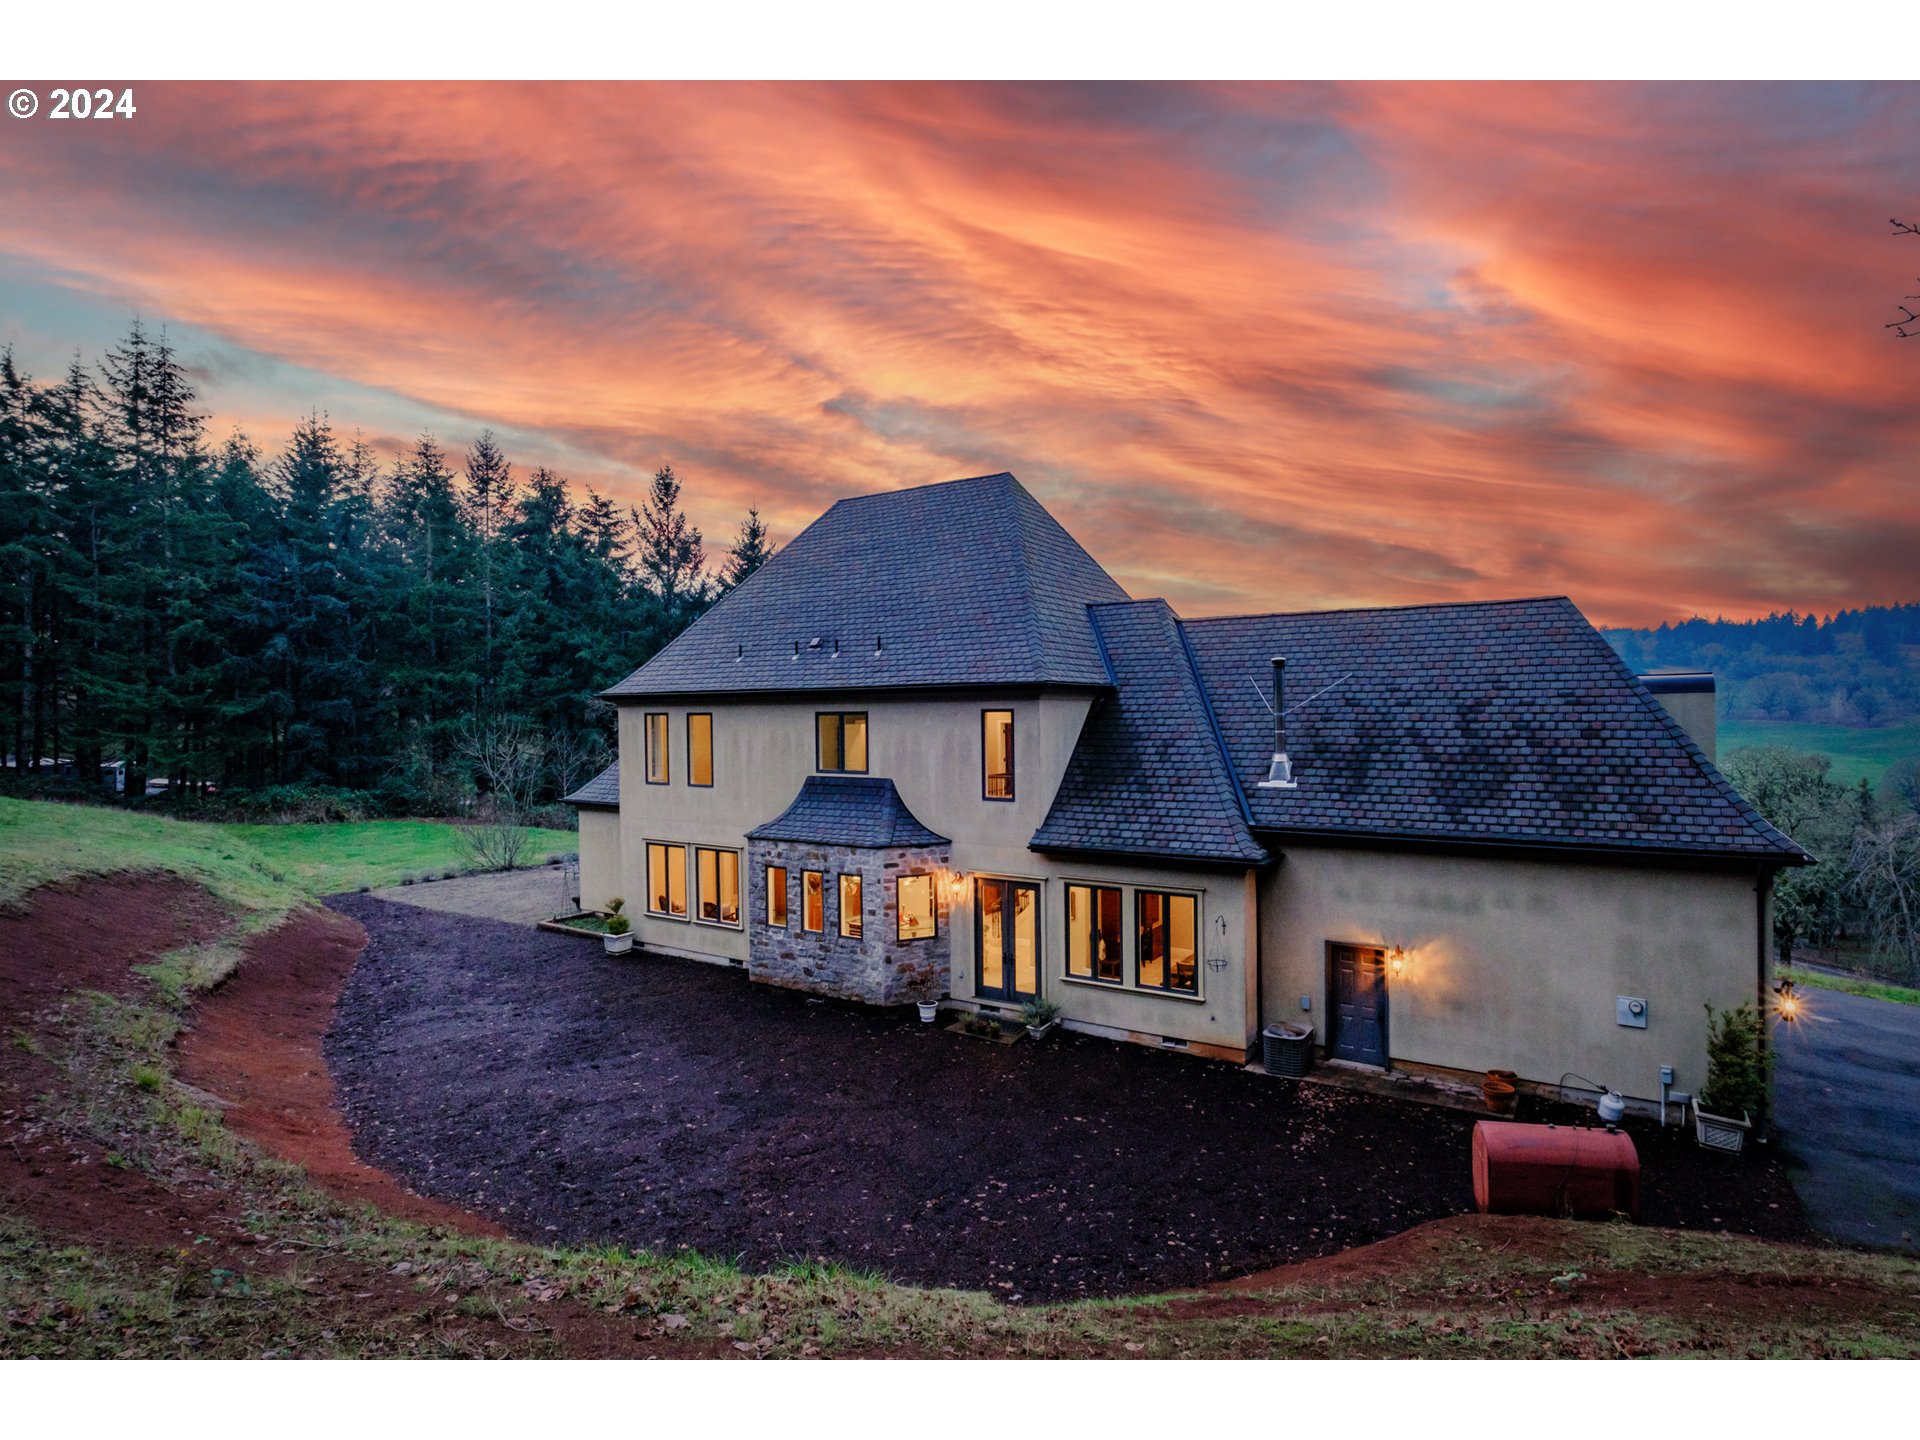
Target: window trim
{"x": 819, "y": 758}
{"x": 933, "y": 907}
{"x": 685, "y": 880}
{"x": 666, "y": 747}
{"x": 840, "y": 903}
{"x": 1139, "y": 937}
{"x": 1012, "y": 787}
{"x": 821, "y": 928}
{"x": 696, "y": 895}
{"x": 706, "y": 715}
{"x": 786, "y": 909}
{"x": 1093, "y": 976}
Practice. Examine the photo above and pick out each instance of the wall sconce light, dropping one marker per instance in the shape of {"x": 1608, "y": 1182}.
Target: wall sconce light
{"x": 1787, "y": 1001}
{"x": 1397, "y": 961}
{"x": 956, "y": 886}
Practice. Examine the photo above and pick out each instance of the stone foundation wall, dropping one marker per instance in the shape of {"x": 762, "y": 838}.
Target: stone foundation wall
{"x": 878, "y": 968}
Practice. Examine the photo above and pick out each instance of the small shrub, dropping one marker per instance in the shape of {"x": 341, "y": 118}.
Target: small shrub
{"x": 1737, "y": 1065}
{"x": 618, "y": 925}
{"x": 147, "y": 1078}
{"x": 616, "y": 905}
{"x": 1039, "y": 1012}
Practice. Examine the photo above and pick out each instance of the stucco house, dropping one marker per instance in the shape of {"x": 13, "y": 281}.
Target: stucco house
{"x": 933, "y": 749}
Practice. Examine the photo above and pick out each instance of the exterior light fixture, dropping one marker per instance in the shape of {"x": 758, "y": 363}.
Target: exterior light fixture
{"x": 1397, "y": 960}
{"x": 1786, "y": 1003}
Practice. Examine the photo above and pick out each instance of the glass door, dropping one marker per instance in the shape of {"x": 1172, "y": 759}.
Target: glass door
{"x": 1007, "y": 934}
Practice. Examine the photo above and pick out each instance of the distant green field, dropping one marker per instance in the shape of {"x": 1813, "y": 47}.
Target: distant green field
{"x": 1856, "y": 754}
{"x": 254, "y": 867}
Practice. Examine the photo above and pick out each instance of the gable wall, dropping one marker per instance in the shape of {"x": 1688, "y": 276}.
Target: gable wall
{"x": 1517, "y": 963}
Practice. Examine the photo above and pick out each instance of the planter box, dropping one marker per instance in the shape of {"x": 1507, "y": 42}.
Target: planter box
{"x": 618, "y": 944}
{"x": 1721, "y": 1132}
{"x": 1040, "y": 1032}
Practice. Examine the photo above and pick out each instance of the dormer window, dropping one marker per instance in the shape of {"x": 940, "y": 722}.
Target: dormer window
{"x": 842, "y": 743}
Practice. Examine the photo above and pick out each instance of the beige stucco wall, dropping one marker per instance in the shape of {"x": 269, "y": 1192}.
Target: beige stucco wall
{"x": 1694, "y": 709}
{"x": 601, "y": 874}
{"x": 1518, "y": 963}
{"x": 930, "y": 749}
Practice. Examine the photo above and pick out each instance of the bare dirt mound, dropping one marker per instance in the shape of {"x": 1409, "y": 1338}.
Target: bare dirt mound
{"x": 255, "y": 1042}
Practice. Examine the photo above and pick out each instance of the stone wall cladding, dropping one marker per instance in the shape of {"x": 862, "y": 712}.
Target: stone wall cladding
{"x": 878, "y": 968}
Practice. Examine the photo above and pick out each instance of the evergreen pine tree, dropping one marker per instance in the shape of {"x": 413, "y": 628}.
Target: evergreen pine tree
{"x": 750, "y": 550}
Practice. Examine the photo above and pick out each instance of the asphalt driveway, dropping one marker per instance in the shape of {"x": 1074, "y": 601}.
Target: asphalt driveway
{"x": 1847, "y": 1092}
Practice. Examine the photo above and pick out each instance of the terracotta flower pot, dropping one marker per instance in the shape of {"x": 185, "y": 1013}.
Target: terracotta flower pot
{"x": 1500, "y": 1095}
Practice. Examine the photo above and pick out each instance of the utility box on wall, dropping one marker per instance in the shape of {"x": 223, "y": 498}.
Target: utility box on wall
{"x": 1631, "y": 1011}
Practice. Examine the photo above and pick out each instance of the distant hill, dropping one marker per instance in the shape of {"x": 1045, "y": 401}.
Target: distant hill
{"x": 1847, "y": 685}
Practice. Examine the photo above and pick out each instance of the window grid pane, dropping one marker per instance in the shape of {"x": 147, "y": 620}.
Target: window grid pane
{"x": 777, "y": 896}
{"x": 996, "y": 754}
{"x": 913, "y": 903}
{"x": 813, "y": 901}
{"x": 700, "y": 749}
{"x": 850, "y": 906}
{"x": 657, "y": 757}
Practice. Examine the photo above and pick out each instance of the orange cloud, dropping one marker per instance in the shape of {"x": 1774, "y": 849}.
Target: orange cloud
{"x": 1260, "y": 346}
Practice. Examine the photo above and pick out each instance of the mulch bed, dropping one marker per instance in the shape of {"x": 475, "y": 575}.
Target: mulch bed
{"x": 577, "y": 1097}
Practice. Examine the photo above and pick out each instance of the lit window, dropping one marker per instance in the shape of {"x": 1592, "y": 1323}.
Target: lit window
{"x": 777, "y": 896}
{"x": 843, "y": 742}
{"x": 913, "y": 900}
{"x": 1168, "y": 926}
{"x": 1093, "y": 933}
{"x": 813, "y": 901}
{"x": 699, "y": 749}
{"x": 667, "y": 879}
{"x": 996, "y": 754}
{"x": 656, "y": 749}
{"x": 719, "y": 875}
{"x": 850, "y": 906}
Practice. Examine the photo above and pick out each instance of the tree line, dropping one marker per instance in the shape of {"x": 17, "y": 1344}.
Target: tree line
{"x": 1860, "y": 904}
{"x": 315, "y": 623}
{"x": 1856, "y": 667}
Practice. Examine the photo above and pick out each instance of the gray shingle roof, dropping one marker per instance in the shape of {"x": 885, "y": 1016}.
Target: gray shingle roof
{"x": 970, "y": 582}
{"x": 861, "y": 811}
{"x": 603, "y": 791}
{"x": 1149, "y": 776}
{"x": 1509, "y": 722}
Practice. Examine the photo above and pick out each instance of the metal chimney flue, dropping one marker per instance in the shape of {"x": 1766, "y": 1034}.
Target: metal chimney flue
{"x": 1280, "y": 768}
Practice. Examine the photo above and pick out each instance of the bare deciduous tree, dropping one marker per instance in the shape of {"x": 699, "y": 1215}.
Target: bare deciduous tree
{"x": 1907, "y": 327}
{"x": 1886, "y": 876}
{"x": 505, "y": 757}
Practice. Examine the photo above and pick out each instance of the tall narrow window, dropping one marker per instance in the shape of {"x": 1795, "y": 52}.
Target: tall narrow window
{"x": 667, "y": 879}
{"x": 700, "y": 749}
{"x": 656, "y": 749}
{"x": 1167, "y": 958}
{"x": 913, "y": 902}
{"x": 777, "y": 896}
{"x": 1093, "y": 933}
{"x": 996, "y": 754}
{"x": 842, "y": 742}
{"x": 850, "y": 906}
{"x": 718, "y": 873}
{"x": 813, "y": 901}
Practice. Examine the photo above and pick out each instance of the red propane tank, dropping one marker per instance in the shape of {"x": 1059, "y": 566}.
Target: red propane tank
{"x": 1554, "y": 1170}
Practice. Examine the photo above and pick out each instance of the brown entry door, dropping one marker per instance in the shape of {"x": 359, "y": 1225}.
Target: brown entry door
{"x": 1359, "y": 985}
{"x": 1006, "y": 928}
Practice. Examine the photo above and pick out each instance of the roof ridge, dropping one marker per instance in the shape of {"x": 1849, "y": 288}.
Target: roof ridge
{"x": 1378, "y": 609}
{"x": 1222, "y": 759}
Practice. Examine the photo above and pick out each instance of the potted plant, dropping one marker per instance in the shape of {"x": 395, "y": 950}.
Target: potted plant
{"x": 1039, "y": 1016}
{"x": 618, "y": 940}
{"x": 1736, "y": 1079}
{"x": 929, "y": 1011}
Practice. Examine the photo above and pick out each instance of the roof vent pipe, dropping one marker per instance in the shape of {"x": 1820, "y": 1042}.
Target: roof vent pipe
{"x": 1280, "y": 768}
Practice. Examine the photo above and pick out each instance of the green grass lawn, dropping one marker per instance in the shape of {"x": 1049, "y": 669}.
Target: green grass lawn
{"x": 1849, "y": 985}
{"x": 258, "y": 868}
{"x": 1856, "y": 754}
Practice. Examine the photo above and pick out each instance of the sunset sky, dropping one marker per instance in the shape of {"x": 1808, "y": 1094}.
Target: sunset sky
{"x": 1258, "y": 347}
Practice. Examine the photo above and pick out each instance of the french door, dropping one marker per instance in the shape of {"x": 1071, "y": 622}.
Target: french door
{"x": 1006, "y": 929}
